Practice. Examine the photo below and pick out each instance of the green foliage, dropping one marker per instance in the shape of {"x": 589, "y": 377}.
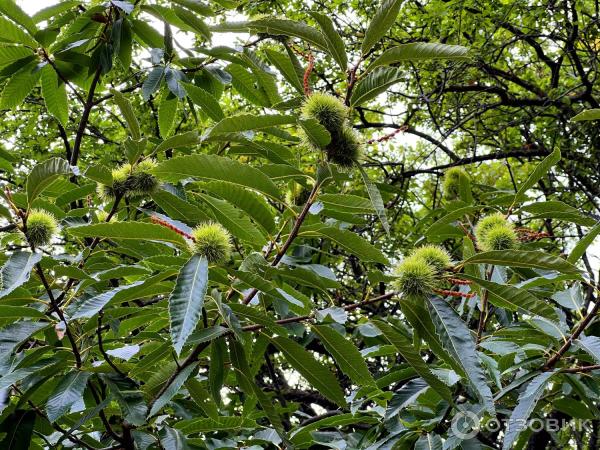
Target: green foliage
{"x": 40, "y": 227}
{"x": 434, "y": 256}
{"x": 495, "y": 232}
{"x": 216, "y": 285}
{"x": 212, "y": 242}
{"x": 326, "y": 109}
{"x": 415, "y": 277}
{"x": 452, "y": 181}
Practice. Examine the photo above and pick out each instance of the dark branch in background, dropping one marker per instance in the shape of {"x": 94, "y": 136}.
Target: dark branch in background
{"x": 525, "y": 152}
{"x": 58, "y": 311}
{"x": 407, "y": 129}
{"x": 101, "y": 347}
{"x": 87, "y": 109}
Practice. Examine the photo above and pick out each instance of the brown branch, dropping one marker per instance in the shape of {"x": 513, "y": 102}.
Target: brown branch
{"x": 410, "y": 130}
{"x": 567, "y": 345}
{"x": 87, "y": 109}
{"x": 103, "y": 351}
{"x": 484, "y": 308}
{"x": 284, "y": 248}
{"x": 57, "y": 427}
{"x": 581, "y": 369}
{"x": 56, "y": 307}
{"x": 523, "y": 152}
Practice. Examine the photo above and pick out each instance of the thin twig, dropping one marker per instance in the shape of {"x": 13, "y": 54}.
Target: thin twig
{"x": 284, "y": 248}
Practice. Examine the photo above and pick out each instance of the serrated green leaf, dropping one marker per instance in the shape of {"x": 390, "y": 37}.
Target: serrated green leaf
{"x": 16, "y": 271}
{"x": 152, "y": 82}
{"x": 87, "y": 308}
{"x": 316, "y": 133}
{"x": 236, "y": 222}
{"x": 11, "y": 336}
{"x": 588, "y": 114}
{"x": 66, "y": 394}
{"x": 14, "y": 12}
{"x": 456, "y": 338}
{"x": 254, "y": 205}
{"x": 202, "y": 398}
{"x": 193, "y": 21}
{"x": 247, "y": 85}
{"x": 55, "y": 95}
{"x": 515, "y": 299}
{"x": 523, "y": 258}
{"x": 239, "y": 361}
{"x": 438, "y": 226}
{"x": 375, "y": 83}
{"x": 129, "y": 230}
{"x": 204, "y": 100}
{"x": 419, "y": 318}
{"x": 148, "y": 36}
{"x": 187, "y": 300}
{"x": 540, "y": 171}
{"x": 42, "y": 175}
{"x": 382, "y": 21}
{"x": 583, "y": 244}
{"x": 420, "y": 51}
{"x": 349, "y": 359}
{"x": 346, "y": 239}
{"x": 376, "y": 199}
{"x": 315, "y": 373}
{"x": 167, "y": 112}
{"x": 525, "y": 406}
{"x": 276, "y": 26}
{"x": 286, "y": 67}
{"x": 430, "y": 441}
{"x": 221, "y": 423}
{"x": 54, "y": 10}
{"x": 172, "y": 390}
{"x": 187, "y": 139}
{"x": 10, "y": 53}
{"x": 128, "y": 114}
{"x": 246, "y": 122}
{"x": 216, "y": 371}
{"x": 591, "y": 345}
{"x": 347, "y": 202}
{"x": 213, "y": 167}
{"x": 335, "y": 44}
{"x": 412, "y": 357}
{"x": 179, "y": 209}
{"x": 9, "y": 32}
{"x": 19, "y": 85}
{"x": 18, "y": 312}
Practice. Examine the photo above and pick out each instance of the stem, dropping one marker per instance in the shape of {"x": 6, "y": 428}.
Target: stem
{"x": 102, "y": 416}
{"x": 66, "y": 434}
{"x": 101, "y": 347}
{"x": 580, "y": 328}
{"x": 293, "y": 234}
{"x": 87, "y": 109}
{"x": 58, "y": 311}
{"x": 296, "y": 319}
{"x": 92, "y": 246}
{"x": 484, "y": 308}
{"x": 581, "y": 369}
